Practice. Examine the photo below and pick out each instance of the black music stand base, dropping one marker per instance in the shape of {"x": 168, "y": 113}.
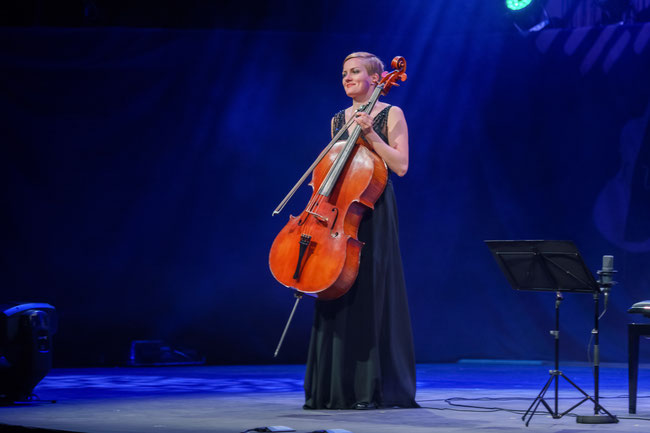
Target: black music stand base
{"x": 555, "y": 375}
{"x": 606, "y": 418}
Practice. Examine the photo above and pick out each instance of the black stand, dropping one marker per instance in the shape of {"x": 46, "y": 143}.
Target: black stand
{"x": 556, "y": 374}
{"x": 597, "y": 417}
{"x": 553, "y": 266}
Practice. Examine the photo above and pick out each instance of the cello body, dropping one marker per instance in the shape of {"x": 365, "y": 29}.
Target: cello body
{"x": 330, "y": 261}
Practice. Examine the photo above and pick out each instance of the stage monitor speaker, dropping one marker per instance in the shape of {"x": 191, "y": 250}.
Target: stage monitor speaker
{"x": 25, "y": 348}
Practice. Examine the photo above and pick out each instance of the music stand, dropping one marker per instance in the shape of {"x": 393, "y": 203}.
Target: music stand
{"x": 552, "y": 266}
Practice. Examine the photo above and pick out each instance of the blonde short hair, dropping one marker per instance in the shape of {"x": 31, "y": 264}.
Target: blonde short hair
{"x": 372, "y": 62}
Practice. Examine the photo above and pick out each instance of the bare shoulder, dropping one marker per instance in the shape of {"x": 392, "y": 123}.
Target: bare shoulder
{"x": 395, "y": 114}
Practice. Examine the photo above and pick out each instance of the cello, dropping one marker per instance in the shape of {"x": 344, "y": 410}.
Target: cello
{"x": 317, "y": 253}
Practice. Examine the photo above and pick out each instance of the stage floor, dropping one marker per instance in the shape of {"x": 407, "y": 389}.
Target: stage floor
{"x": 467, "y": 396}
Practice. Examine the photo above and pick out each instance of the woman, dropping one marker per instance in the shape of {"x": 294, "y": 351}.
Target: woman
{"x": 361, "y": 348}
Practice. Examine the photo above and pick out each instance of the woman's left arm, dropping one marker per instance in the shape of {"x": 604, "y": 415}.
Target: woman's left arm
{"x": 396, "y": 154}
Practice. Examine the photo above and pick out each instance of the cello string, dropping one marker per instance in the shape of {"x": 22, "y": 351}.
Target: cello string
{"x": 313, "y": 203}
{"x": 316, "y": 199}
{"x": 315, "y": 208}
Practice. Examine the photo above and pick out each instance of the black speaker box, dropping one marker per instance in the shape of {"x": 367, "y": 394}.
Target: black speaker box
{"x": 25, "y": 348}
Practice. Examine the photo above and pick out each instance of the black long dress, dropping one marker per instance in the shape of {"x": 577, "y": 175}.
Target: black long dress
{"x": 361, "y": 347}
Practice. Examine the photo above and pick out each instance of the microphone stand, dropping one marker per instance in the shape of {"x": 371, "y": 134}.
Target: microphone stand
{"x": 605, "y": 283}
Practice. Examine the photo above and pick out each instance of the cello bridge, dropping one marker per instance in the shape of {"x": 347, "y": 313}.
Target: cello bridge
{"x": 319, "y": 217}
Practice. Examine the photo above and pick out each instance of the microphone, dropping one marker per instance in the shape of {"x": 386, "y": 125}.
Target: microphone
{"x": 606, "y": 276}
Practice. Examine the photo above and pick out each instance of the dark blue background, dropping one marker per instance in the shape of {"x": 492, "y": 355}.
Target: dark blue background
{"x": 141, "y": 167}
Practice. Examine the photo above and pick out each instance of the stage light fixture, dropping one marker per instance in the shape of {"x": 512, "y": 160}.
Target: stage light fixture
{"x": 25, "y": 348}
{"x": 528, "y": 15}
{"x": 614, "y": 11}
{"x": 515, "y": 5}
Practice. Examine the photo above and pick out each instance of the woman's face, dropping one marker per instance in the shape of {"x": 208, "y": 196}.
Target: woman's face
{"x": 356, "y": 80}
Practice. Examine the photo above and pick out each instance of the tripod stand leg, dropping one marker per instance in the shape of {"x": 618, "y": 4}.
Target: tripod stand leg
{"x": 540, "y": 399}
{"x": 595, "y": 419}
